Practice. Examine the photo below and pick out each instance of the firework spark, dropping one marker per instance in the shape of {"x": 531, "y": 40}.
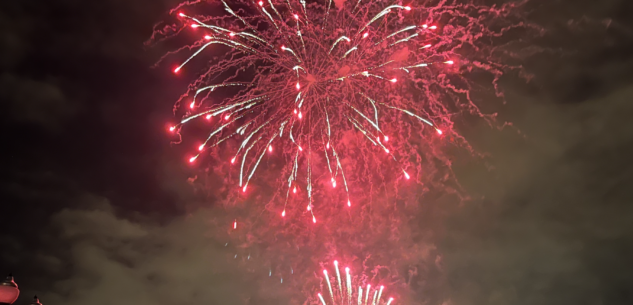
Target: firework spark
{"x": 321, "y": 83}
{"x": 346, "y": 293}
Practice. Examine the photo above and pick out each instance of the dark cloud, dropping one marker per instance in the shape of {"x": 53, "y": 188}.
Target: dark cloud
{"x": 556, "y": 224}
{"x": 142, "y": 262}
{"x": 42, "y": 103}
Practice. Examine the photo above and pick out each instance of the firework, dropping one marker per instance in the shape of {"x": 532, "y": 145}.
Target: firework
{"x": 350, "y": 291}
{"x": 318, "y": 83}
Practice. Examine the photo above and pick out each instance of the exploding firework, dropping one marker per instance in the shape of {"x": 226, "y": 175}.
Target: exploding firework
{"x": 340, "y": 90}
{"x": 347, "y": 289}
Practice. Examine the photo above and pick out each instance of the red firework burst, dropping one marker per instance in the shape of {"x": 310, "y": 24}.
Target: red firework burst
{"x": 322, "y": 82}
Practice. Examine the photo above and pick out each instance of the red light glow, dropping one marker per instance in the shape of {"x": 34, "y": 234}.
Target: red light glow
{"x": 192, "y": 159}
{"x": 365, "y": 35}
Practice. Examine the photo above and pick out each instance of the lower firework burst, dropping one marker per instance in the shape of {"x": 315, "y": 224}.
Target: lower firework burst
{"x": 349, "y": 290}
{"x": 339, "y": 90}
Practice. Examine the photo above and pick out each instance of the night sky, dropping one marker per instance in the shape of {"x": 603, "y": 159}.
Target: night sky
{"x": 96, "y": 208}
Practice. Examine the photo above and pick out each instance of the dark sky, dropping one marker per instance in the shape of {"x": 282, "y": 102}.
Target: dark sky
{"x": 96, "y": 208}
